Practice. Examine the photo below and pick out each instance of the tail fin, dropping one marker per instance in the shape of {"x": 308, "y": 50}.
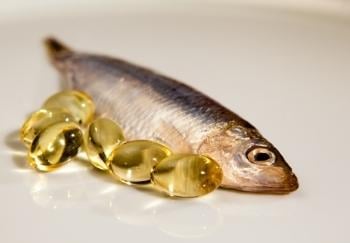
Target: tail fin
{"x": 55, "y": 49}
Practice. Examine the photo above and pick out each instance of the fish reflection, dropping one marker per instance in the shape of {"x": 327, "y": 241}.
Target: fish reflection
{"x": 55, "y": 195}
{"x": 77, "y": 184}
{"x": 179, "y": 218}
{"x": 189, "y": 219}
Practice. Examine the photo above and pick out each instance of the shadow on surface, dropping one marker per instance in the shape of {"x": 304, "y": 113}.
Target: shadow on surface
{"x": 16, "y": 149}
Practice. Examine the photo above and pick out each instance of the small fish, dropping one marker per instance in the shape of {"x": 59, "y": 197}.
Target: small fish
{"x": 149, "y": 105}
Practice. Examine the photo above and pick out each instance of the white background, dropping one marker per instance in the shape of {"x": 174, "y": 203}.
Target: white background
{"x": 286, "y": 69}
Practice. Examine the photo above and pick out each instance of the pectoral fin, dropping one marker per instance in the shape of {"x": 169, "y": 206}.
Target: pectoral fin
{"x": 168, "y": 134}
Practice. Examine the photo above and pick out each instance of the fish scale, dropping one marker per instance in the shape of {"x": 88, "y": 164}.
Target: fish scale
{"x": 131, "y": 111}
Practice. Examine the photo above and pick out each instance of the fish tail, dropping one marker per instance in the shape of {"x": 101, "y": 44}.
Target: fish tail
{"x": 56, "y": 50}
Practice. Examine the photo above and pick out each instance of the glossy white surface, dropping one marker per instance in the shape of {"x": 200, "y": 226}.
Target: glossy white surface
{"x": 286, "y": 72}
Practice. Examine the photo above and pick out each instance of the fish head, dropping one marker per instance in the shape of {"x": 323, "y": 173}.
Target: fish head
{"x": 249, "y": 162}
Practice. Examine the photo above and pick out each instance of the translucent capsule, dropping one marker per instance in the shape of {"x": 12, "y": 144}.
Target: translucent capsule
{"x": 55, "y": 145}
{"x": 79, "y": 104}
{"x": 187, "y": 175}
{"x": 40, "y": 120}
{"x": 132, "y": 162}
{"x": 102, "y": 136}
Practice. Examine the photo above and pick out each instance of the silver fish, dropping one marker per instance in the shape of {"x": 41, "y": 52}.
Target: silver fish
{"x": 149, "y": 105}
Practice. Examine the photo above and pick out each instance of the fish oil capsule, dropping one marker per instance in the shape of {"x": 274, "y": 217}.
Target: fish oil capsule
{"x": 187, "y": 175}
{"x": 102, "y": 136}
{"x": 41, "y": 119}
{"x": 79, "y": 104}
{"x": 132, "y": 161}
{"x": 55, "y": 145}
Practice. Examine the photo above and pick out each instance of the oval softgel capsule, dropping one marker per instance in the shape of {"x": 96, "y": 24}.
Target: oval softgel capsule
{"x": 77, "y": 103}
{"x": 40, "y": 120}
{"x": 187, "y": 175}
{"x": 101, "y": 137}
{"x": 55, "y": 145}
{"x": 133, "y": 161}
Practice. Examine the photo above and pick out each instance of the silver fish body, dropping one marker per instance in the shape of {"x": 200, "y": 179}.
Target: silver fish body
{"x": 149, "y": 105}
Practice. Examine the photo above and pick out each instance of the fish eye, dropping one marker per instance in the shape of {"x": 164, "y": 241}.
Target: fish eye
{"x": 261, "y": 156}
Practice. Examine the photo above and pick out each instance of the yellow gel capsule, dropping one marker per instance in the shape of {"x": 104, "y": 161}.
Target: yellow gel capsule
{"x": 187, "y": 175}
{"x": 77, "y": 103}
{"x": 55, "y": 145}
{"x": 132, "y": 162}
{"x": 102, "y": 136}
{"x": 40, "y": 120}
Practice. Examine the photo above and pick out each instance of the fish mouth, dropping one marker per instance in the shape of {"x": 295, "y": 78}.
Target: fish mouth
{"x": 289, "y": 185}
